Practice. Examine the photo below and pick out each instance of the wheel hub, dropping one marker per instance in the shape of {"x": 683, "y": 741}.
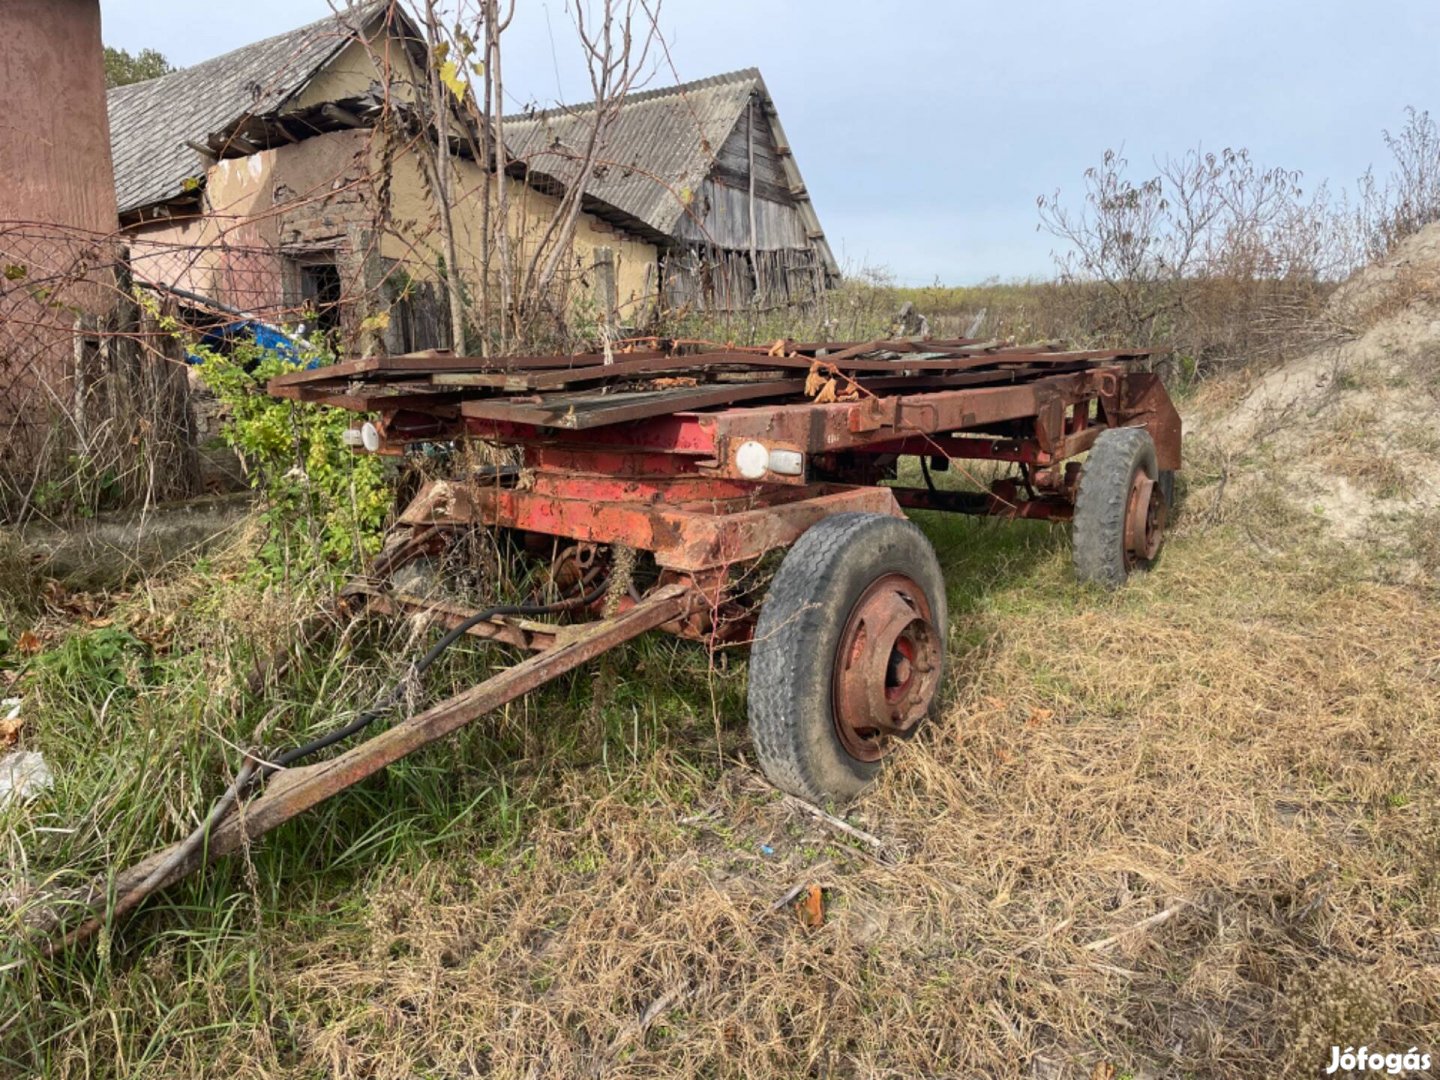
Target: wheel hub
{"x": 887, "y": 666}
{"x": 1144, "y": 519}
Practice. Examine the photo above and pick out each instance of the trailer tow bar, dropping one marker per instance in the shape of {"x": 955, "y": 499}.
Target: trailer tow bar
{"x": 294, "y": 790}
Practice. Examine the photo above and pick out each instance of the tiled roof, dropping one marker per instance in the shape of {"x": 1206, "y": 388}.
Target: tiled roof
{"x": 662, "y": 143}
{"x": 150, "y": 121}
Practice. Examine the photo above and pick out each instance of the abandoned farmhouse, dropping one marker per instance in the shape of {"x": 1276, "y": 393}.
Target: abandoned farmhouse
{"x": 325, "y": 178}
{"x": 277, "y": 178}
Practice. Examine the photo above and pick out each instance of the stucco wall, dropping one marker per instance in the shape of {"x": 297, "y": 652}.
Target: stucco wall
{"x": 55, "y": 153}
{"x": 57, "y": 206}
{"x": 529, "y": 212}
{"x": 325, "y": 193}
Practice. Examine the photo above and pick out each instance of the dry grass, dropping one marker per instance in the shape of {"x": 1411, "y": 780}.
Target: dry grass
{"x": 1232, "y": 755}
{"x": 19, "y": 584}
{"x": 1245, "y": 742}
{"x": 1190, "y": 829}
{"x": 1386, "y": 294}
{"x": 1421, "y": 531}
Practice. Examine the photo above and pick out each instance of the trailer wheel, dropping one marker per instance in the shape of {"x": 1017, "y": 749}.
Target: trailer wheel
{"x": 848, "y": 654}
{"x": 1167, "y": 487}
{"x": 1120, "y": 508}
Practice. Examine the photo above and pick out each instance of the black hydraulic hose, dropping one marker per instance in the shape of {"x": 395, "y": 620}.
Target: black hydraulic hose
{"x": 925, "y": 470}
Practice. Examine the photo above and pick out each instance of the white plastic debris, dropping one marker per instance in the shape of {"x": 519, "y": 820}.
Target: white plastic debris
{"x": 23, "y": 775}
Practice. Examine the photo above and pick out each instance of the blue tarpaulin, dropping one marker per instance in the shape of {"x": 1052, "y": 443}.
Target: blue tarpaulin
{"x": 262, "y": 334}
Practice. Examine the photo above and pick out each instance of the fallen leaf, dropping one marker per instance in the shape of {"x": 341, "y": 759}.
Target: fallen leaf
{"x": 1103, "y": 1071}
{"x": 11, "y": 722}
{"x": 1005, "y": 756}
{"x": 100, "y": 624}
{"x": 811, "y": 907}
{"x": 814, "y": 381}
{"x": 1040, "y": 716}
{"x": 29, "y": 643}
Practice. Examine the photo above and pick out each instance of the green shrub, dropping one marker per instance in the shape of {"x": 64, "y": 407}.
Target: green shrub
{"x": 324, "y": 505}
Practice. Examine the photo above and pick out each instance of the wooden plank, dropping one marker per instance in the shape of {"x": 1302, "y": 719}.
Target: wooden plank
{"x": 429, "y": 402}
{"x": 962, "y": 361}
{"x": 550, "y": 373}
{"x": 710, "y": 364}
{"x": 516, "y": 382}
{"x": 589, "y": 410}
{"x": 427, "y": 363}
{"x": 592, "y": 409}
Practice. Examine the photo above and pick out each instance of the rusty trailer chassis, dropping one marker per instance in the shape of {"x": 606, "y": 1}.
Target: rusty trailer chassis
{"x": 707, "y": 460}
{"x": 704, "y": 461}
{"x": 662, "y": 469}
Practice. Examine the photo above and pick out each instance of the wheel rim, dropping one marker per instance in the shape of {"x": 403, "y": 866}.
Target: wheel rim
{"x": 1144, "y": 519}
{"x": 887, "y": 665}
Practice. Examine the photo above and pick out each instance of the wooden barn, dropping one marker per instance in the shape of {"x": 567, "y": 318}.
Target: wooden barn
{"x": 703, "y": 170}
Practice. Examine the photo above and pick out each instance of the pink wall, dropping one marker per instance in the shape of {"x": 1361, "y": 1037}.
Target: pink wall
{"x": 57, "y": 209}
{"x": 55, "y": 146}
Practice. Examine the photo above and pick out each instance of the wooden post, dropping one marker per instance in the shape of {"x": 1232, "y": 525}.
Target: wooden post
{"x": 750, "y": 150}
{"x": 87, "y": 372}
{"x": 607, "y": 295}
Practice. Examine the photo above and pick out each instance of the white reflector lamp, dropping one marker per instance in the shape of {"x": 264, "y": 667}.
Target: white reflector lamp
{"x": 752, "y": 460}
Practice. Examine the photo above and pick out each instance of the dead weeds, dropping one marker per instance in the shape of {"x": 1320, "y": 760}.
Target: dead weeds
{"x": 1188, "y": 830}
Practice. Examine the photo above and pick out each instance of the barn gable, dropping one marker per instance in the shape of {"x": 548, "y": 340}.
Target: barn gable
{"x": 704, "y": 170}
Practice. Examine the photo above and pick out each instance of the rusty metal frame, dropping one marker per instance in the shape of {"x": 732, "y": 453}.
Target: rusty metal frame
{"x": 736, "y": 524}
{"x": 670, "y": 484}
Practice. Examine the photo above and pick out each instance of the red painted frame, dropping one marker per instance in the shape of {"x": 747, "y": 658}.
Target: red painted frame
{"x": 670, "y": 485}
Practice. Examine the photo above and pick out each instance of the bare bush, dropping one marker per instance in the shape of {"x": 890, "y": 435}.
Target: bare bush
{"x": 94, "y": 408}
{"x": 1410, "y": 198}
{"x": 1213, "y": 254}
{"x": 1224, "y": 260}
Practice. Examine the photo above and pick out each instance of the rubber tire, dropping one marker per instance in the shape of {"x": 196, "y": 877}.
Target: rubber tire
{"x": 1098, "y": 528}
{"x": 792, "y": 659}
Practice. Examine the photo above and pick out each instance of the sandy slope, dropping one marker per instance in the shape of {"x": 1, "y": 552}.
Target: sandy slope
{"x": 1352, "y": 429}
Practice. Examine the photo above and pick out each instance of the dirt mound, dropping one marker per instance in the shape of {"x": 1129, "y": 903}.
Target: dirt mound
{"x": 1408, "y": 274}
{"x": 1348, "y": 434}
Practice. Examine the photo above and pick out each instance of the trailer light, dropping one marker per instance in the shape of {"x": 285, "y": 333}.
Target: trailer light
{"x": 787, "y": 462}
{"x": 370, "y": 436}
{"x": 752, "y": 460}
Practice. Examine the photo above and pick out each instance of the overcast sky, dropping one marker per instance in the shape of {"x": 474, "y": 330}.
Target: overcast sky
{"x": 925, "y": 131}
